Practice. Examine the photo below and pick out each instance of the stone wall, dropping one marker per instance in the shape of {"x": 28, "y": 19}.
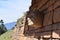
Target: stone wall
{"x": 51, "y": 19}
{"x": 17, "y": 30}
{"x": 45, "y": 15}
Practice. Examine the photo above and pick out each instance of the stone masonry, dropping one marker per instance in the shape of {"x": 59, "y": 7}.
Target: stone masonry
{"x": 42, "y": 22}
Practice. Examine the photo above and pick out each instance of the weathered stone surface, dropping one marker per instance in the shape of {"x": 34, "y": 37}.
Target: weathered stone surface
{"x": 48, "y": 7}
{"x": 37, "y": 18}
{"x": 47, "y": 19}
{"x": 56, "y": 15}
{"x": 42, "y": 13}
{"x": 51, "y": 18}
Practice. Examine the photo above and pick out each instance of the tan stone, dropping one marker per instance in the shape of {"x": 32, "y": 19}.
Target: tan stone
{"x": 56, "y": 15}
{"x": 47, "y": 19}
{"x": 42, "y": 13}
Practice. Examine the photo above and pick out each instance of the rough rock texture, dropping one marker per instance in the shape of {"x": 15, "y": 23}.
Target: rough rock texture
{"x": 51, "y": 17}
{"x": 41, "y": 22}
{"x": 47, "y": 7}
{"x": 17, "y": 30}
{"x": 18, "y": 33}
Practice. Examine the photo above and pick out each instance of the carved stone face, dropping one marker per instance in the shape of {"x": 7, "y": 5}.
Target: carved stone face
{"x": 35, "y": 19}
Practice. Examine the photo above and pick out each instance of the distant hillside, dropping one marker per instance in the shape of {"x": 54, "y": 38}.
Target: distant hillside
{"x": 10, "y": 25}
{"x": 7, "y": 35}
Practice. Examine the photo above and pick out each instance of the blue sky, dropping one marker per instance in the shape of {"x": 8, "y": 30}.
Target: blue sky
{"x": 11, "y": 10}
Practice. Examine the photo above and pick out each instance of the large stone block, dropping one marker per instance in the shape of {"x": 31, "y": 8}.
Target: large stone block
{"x": 47, "y": 19}
{"x": 56, "y": 15}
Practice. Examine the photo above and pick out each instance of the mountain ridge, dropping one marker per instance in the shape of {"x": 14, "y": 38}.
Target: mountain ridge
{"x": 10, "y": 25}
